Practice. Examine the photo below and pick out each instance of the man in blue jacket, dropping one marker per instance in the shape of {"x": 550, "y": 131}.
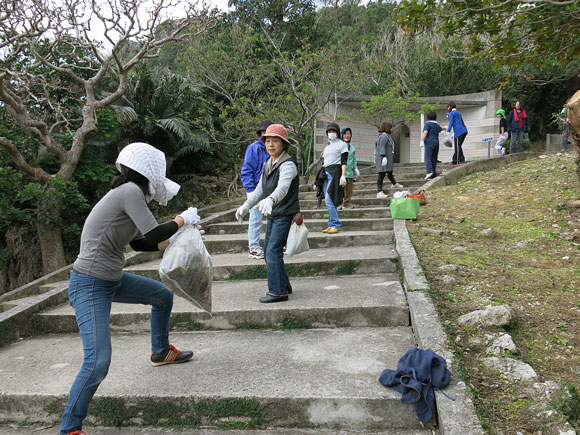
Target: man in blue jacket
{"x": 254, "y": 160}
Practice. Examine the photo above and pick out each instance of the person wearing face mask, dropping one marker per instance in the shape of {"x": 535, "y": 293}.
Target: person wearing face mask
{"x": 121, "y": 217}
{"x": 335, "y": 158}
{"x": 276, "y": 196}
{"x": 352, "y": 171}
{"x": 384, "y": 156}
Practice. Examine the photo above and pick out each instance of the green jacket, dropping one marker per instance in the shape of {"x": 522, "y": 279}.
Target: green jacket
{"x": 351, "y": 162}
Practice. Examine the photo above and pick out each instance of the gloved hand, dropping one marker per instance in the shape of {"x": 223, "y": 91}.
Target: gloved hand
{"x": 422, "y": 143}
{"x": 447, "y": 135}
{"x": 384, "y": 161}
{"x": 265, "y": 206}
{"x": 356, "y": 172}
{"x": 342, "y": 181}
{"x": 190, "y": 216}
{"x": 242, "y": 211}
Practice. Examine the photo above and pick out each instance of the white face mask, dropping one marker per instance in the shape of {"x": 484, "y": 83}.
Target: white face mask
{"x": 332, "y": 135}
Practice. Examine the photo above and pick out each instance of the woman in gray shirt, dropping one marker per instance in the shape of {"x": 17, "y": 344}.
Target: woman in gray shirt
{"x": 121, "y": 217}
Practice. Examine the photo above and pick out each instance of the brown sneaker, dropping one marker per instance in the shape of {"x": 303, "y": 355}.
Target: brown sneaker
{"x": 171, "y": 355}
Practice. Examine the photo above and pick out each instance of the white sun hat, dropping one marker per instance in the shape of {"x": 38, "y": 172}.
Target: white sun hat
{"x": 149, "y": 162}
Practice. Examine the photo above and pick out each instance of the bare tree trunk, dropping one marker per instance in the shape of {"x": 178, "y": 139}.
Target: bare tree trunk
{"x": 51, "y": 248}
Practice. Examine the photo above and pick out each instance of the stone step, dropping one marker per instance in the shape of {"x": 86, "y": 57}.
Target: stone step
{"x": 371, "y": 192}
{"x": 298, "y": 378}
{"x": 372, "y": 184}
{"x": 334, "y": 302}
{"x": 16, "y": 429}
{"x": 349, "y": 213}
{"x": 236, "y": 243}
{"x": 8, "y": 305}
{"x": 357, "y": 201}
{"x": 315, "y": 262}
{"x": 322, "y": 213}
{"x": 414, "y": 175}
{"x": 313, "y": 225}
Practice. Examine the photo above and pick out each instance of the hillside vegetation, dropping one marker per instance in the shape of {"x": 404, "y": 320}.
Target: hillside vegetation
{"x": 530, "y": 263}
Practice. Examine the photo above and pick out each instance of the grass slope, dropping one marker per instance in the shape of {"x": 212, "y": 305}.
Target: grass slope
{"x": 531, "y": 264}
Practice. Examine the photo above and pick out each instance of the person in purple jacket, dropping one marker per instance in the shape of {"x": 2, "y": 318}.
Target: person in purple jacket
{"x": 256, "y": 156}
{"x": 459, "y": 133}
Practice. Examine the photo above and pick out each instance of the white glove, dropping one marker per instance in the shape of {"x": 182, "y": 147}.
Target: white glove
{"x": 242, "y": 211}
{"x": 342, "y": 181}
{"x": 265, "y": 206}
{"x": 384, "y": 161}
{"x": 190, "y": 216}
{"x": 447, "y": 135}
{"x": 422, "y": 143}
{"x": 356, "y": 172}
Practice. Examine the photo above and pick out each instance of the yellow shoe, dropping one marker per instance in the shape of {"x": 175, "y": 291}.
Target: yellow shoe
{"x": 333, "y": 230}
{"x": 326, "y": 230}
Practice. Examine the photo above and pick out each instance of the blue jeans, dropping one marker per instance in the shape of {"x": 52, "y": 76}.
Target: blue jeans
{"x": 276, "y": 235}
{"x": 431, "y": 154}
{"x": 333, "y": 221}
{"x": 91, "y": 299}
{"x": 499, "y": 144}
{"x": 254, "y": 229}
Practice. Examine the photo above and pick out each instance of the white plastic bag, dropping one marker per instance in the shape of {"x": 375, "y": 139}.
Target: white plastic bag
{"x": 448, "y": 142}
{"x": 297, "y": 241}
{"x": 186, "y": 268}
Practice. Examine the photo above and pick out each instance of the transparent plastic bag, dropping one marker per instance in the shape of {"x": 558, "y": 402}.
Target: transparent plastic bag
{"x": 297, "y": 241}
{"x": 186, "y": 268}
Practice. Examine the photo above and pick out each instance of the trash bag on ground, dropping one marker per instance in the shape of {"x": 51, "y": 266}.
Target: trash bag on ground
{"x": 186, "y": 268}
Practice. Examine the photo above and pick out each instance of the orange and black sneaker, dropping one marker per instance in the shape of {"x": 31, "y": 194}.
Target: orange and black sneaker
{"x": 78, "y": 432}
{"x": 171, "y": 355}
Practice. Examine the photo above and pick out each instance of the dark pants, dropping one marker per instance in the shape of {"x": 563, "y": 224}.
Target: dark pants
{"x": 276, "y": 235}
{"x": 431, "y": 154}
{"x": 382, "y": 177}
{"x": 458, "y": 154}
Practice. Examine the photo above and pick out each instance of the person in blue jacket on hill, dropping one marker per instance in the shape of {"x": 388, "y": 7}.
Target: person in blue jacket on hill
{"x": 459, "y": 133}
{"x": 256, "y": 156}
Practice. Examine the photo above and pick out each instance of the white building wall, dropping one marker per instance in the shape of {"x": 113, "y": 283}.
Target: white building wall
{"x": 478, "y": 111}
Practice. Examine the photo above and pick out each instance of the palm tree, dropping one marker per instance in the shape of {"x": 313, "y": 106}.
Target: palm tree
{"x": 158, "y": 108}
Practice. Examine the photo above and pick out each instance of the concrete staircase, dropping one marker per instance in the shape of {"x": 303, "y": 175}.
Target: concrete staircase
{"x": 311, "y": 363}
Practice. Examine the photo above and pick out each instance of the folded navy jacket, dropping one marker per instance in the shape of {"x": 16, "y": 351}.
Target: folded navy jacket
{"x": 418, "y": 373}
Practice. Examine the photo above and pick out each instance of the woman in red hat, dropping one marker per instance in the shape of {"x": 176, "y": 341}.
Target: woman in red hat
{"x": 276, "y": 197}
